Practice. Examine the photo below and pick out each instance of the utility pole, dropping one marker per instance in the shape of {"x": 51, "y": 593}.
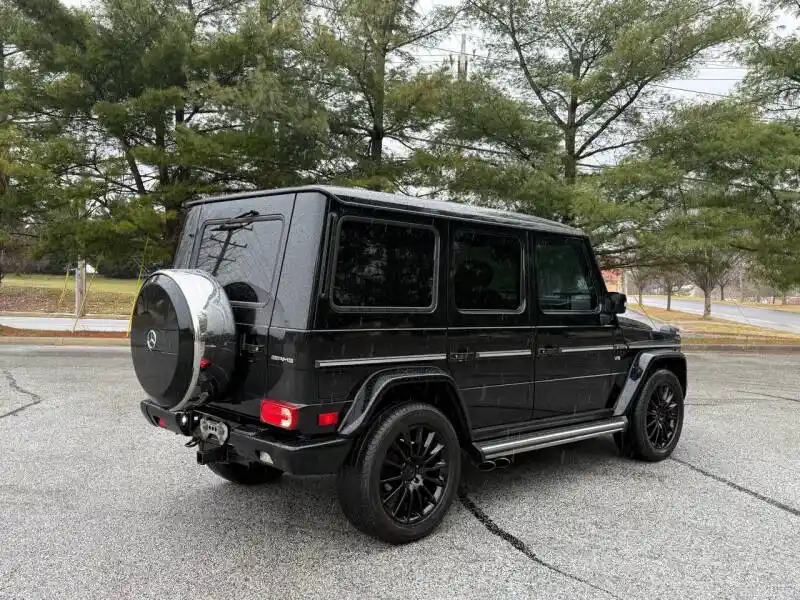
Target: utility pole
{"x": 462, "y": 58}
{"x": 80, "y": 288}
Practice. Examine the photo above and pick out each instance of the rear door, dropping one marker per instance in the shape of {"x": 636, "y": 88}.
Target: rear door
{"x": 241, "y": 242}
{"x": 489, "y": 336}
{"x": 574, "y": 347}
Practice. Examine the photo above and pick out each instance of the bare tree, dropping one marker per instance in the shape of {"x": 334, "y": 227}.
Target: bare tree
{"x": 706, "y": 267}
{"x": 671, "y": 278}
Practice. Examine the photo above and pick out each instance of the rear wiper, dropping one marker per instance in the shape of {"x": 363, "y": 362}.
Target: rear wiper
{"x": 237, "y": 222}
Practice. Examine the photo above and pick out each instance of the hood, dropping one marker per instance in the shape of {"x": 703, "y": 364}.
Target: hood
{"x": 640, "y": 329}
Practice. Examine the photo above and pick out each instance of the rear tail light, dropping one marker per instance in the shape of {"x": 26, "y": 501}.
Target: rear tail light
{"x": 325, "y": 419}
{"x": 280, "y": 414}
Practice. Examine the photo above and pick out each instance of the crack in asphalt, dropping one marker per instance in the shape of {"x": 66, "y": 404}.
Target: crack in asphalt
{"x": 740, "y": 488}
{"x": 521, "y": 546}
{"x": 12, "y": 383}
{"x": 770, "y": 396}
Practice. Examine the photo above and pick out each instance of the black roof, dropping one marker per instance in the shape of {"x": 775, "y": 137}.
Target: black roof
{"x": 417, "y": 205}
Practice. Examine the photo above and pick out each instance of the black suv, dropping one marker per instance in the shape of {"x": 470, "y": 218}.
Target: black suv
{"x": 385, "y": 338}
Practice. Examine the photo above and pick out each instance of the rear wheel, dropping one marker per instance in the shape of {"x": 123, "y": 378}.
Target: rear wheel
{"x": 252, "y": 474}
{"x": 656, "y": 420}
{"x": 400, "y": 480}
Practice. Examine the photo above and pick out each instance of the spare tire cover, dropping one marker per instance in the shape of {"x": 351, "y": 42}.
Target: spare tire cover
{"x": 183, "y": 338}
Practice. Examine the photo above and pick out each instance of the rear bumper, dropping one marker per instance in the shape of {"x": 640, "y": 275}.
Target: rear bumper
{"x": 246, "y": 443}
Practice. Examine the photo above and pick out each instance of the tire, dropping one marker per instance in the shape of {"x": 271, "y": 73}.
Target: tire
{"x": 254, "y": 474}
{"x": 655, "y": 420}
{"x": 376, "y": 481}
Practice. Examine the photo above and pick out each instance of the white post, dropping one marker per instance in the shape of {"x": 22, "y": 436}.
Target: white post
{"x": 80, "y": 288}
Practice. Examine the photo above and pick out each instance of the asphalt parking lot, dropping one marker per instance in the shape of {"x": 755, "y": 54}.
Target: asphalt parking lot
{"x": 95, "y": 503}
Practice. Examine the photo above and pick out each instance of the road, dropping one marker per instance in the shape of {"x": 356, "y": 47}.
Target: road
{"x": 64, "y": 323}
{"x": 760, "y": 317}
{"x": 95, "y": 503}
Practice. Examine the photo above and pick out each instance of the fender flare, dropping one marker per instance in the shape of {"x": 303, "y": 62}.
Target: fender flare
{"x": 367, "y": 399}
{"x": 642, "y": 365}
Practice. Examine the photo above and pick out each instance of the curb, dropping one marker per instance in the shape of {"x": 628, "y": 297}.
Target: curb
{"x": 47, "y": 315}
{"x": 757, "y": 349}
{"x": 63, "y": 341}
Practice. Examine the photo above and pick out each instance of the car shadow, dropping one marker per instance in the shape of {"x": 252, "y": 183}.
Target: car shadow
{"x": 307, "y": 507}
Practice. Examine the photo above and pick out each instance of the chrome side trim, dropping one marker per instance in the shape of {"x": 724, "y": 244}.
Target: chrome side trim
{"x": 575, "y": 349}
{"x": 647, "y": 346}
{"x": 564, "y": 435}
{"x": 503, "y": 353}
{"x": 583, "y": 377}
{"x": 378, "y": 360}
{"x": 495, "y": 385}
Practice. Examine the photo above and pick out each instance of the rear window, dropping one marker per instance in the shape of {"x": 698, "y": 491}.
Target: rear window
{"x": 487, "y": 272}
{"x": 383, "y": 265}
{"x": 242, "y": 256}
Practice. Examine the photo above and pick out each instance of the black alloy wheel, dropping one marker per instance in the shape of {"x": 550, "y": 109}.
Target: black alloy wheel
{"x": 655, "y": 420}
{"x": 414, "y": 474}
{"x": 402, "y": 475}
{"x": 661, "y": 422}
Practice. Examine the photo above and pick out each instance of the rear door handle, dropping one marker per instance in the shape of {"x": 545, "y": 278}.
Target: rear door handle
{"x": 548, "y": 351}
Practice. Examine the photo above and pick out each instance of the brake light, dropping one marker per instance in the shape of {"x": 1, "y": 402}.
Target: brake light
{"x": 162, "y": 422}
{"x": 280, "y": 414}
{"x": 325, "y": 419}
{"x": 204, "y": 363}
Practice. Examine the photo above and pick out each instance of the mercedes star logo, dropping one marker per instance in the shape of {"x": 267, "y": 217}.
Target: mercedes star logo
{"x": 152, "y": 338}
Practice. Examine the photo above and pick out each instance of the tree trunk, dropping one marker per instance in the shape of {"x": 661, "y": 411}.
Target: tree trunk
{"x": 376, "y": 137}
{"x": 161, "y": 131}
{"x": 571, "y": 130}
{"x": 722, "y": 293}
{"x": 706, "y": 304}
{"x": 570, "y": 160}
{"x": 640, "y": 297}
{"x": 669, "y": 298}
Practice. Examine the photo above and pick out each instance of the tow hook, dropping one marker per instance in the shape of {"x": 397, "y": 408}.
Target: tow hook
{"x": 207, "y": 454}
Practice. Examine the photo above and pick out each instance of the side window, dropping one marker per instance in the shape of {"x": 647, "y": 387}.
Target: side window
{"x": 380, "y": 265}
{"x": 563, "y": 276}
{"x": 487, "y": 271}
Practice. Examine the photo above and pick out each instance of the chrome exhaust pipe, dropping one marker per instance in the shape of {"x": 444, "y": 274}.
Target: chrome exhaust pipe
{"x": 487, "y": 466}
{"x": 502, "y": 462}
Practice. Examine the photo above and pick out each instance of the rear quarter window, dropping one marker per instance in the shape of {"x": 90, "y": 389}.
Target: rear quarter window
{"x": 382, "y": 265}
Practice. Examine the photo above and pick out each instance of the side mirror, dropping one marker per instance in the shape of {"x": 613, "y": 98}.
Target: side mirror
{"x": 615, "y": 303}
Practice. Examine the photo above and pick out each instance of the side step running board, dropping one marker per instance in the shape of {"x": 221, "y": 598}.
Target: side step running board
{"x": 526, "y": 442}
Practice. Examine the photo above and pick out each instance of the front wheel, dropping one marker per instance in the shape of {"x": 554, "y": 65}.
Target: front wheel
{"x": 656, "y": 419}
{"x": 400, "y": 480}
{"x": 252, "y": 474}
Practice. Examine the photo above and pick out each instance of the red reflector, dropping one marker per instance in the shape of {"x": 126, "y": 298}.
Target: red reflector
{"x": 280, "y": 414}
{"x": 204, "y": 363}
{"x": 162, "y": 422}
{"x": 328, "y": 419}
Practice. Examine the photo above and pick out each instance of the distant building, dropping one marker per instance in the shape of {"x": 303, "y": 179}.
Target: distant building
{"x": 613, "y": 279}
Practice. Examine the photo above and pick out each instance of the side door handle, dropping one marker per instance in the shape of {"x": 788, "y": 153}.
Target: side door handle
{"x": 547, "y": 351}
{"x": 461, "y": 356}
